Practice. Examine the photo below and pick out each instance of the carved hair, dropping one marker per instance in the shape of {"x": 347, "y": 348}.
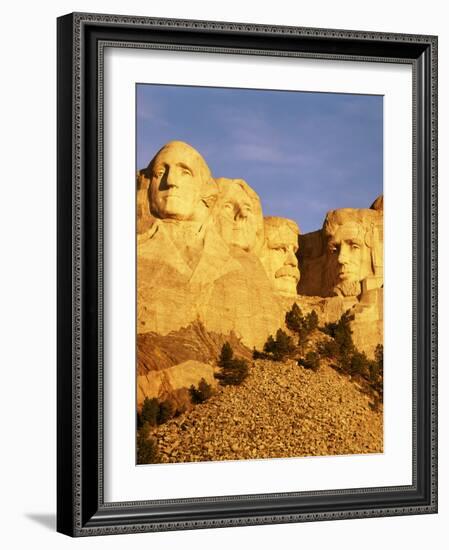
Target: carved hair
{"x": 275, "y": 222}
{"x": 367, "y": 219}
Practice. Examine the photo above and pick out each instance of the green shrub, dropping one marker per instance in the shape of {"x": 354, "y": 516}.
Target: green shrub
{"x": 260, "y": 354}
{"x": 351, "y": 361}
{"x": 343, "y": 348}
{"x": 270, "y": 345}
{"x": 379, "y": 357}
{"x": 150, "y": 411}
{"x": 377, "y": 370}
{"x": 226, "y": 355}
{"x": 167, "y": 410}
{"x": 329, "y": 349}
{"x": 311, "y": 361}
{"x": 202, "y": 393}
{"x": 359, "y": 364}
{"x": 329, "y": 329}
{"x": 147, "y": 451}
{"x": 284, "y": 345}
{"x": 277, "y": 349}
{"x": 302, "y": 326}
{"x": 294, "y": 319}
{"x": 312, "y": 321}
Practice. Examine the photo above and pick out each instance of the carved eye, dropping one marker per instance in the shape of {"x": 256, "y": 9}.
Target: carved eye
{"x": 355, "y": 246}
{"x": 186, "y": 172}
{"x": 228, "y": 206}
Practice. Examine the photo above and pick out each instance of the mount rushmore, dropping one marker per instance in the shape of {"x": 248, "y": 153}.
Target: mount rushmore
{"x": 206, "y": 253}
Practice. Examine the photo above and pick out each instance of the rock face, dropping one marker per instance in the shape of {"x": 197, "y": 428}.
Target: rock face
{"x": 157, "y": 352}
{"x": 207, "y": 257}
{"x": 378, "y": 204}
{"x": 197, "y": 259}
{"x": 168, "y": 365}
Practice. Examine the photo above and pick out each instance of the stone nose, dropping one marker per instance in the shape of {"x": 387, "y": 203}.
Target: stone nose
{"x": 170, "y": 178}
{"x": 343, "y": 254}
{"x": 291, "y": 259}
{"x": 240, "y": 213}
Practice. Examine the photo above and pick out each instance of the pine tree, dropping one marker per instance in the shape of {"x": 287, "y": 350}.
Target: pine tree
{"x": 312, "y": 321}
{"x": 233, "y": 371}
{"x": 294, "y": 319}
{"x": 150, "y": 411}
{"x": 226, "y": 354}
{"x": 270, "y": 345}
{"x": 167, "y": 410}
{"x": 202, "y": 393}
{"x": 311, "y": 361}
{"x": 284, "y": 345}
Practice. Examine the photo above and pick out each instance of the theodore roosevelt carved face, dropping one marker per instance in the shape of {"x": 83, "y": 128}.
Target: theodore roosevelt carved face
{"x": 181, "y": 186}
{"x": 279, "y": 254}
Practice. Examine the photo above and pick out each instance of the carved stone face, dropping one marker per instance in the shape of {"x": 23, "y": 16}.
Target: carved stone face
{"x": 239, "y": 214}
{"x": 279, "y": 254}
{"x": 178, "y": 176}
{"x": 349, "y": 258}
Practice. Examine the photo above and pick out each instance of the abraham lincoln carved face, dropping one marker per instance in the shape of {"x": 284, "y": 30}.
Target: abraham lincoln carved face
{"x": 349, "y": 239}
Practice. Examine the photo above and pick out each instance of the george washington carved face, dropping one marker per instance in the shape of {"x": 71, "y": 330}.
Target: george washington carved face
{"x": 181, "y": 186}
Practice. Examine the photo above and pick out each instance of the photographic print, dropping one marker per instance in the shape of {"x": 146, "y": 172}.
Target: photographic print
{"x": 259, "y": 304}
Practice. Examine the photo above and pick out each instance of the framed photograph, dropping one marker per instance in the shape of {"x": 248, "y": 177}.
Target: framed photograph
{"x": 247, "y": 276}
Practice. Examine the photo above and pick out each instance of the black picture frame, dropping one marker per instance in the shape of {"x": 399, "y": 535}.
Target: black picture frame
{"x": 81, "y": 510}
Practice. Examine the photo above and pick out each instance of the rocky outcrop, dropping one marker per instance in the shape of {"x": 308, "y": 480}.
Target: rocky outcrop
{"x": 168, "y": 365}
{"x": 165, "y": 384}
{"x": 158, "y": 352}
{"x": 281, "y": 410}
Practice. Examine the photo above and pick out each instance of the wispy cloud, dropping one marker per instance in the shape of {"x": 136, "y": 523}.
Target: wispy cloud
{"x": 254, "y": 137}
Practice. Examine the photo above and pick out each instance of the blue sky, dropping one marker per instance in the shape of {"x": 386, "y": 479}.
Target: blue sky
{"x": 303, "y": 152}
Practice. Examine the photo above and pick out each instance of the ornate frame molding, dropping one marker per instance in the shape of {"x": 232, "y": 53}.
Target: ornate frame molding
{"x": 81, "y": 42}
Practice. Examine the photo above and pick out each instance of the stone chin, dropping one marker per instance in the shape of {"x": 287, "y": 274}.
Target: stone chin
{"x": 174, "y": 208}
{"x": 238, "y": 236}
{"x": 347, "y": 287}
{"x": 286, "y": 284}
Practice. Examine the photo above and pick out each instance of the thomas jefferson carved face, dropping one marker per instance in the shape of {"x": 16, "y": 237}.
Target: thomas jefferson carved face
{"x": 279, "y": 254}
{"x": 349, "y": 243}
{"x": 180, "y": 183}
{"x": 239, "y": 214}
